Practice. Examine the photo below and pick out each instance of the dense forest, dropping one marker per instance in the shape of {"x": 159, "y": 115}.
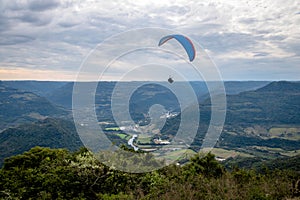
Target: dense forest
{"x": 44, "y": 173}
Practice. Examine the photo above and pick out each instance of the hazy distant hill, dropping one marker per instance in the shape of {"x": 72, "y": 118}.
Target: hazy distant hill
{"x": 41, "y": 88}
{"x": 285, "y": 163}
{"x": 276, "y": 103}
{"x": 17, "y": 107}
{"x": 54, "y": 133}
{"x": 281, "y": 86}
{"x": 63, "y": 95}
{"x": 236, "y": 87}
{"x": 250, "y": 115}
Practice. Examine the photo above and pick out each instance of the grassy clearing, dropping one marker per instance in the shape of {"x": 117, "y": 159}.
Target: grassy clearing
{"x": 291, "y": 153}
{"x": 286, "y": 133}
{"x": 112, "y": 129}
{"x": 182, "y": 153}
{"x": 224, "y": 153}
{"x": 278, "y": 131}
{"x": 123, "y": 136}
{"x": 279, "y": 150}
{"x": 144, "y": 140}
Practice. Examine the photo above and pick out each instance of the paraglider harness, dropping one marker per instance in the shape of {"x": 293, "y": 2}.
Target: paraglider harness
{"x": 170, "y": 80}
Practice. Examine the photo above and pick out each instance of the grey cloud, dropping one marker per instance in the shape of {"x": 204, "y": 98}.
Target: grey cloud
{"x": 14, "y": 14}
{"x": 14, "y": 39}
{"x": 277, "y": 37}
{"x": 179, "y": 10}
{"x": 37, "y": 19}
{"x": 206, "y": 27}
{"x": 4, "y": 25}
{"x": 260, "y": 54}
{"x": 83, "y": 37}
{"x": 261, "y": 68}
{"x": 14, "y": 5}
{"x": 264, "y": 31}
{"x": 248, "y": 20}
{"x": 33, "y": 5}
{"x": 228, "y": 41}
{"x": 293, "y": 47}
{"x": 42, "y": 5}
{"x": 66, "y": 24}
{"x": 113, "y": 25}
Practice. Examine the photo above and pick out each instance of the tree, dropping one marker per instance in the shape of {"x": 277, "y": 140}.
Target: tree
{"x": 206, "y": 165}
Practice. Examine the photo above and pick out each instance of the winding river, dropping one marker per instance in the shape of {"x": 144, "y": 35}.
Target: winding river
{"x": 130, "y": 142}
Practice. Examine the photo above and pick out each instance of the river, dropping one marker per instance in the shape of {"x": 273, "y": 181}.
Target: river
{"x": 130, "y": 142}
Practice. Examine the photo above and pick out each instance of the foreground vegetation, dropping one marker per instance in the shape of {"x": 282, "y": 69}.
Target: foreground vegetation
{"x": 44, "y": 173}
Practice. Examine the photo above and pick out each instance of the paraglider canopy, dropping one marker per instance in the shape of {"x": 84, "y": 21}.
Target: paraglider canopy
{"x": 184, "y": 41}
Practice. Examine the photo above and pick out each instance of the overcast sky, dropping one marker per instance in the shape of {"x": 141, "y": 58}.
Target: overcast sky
{"x": 247, "y": 40}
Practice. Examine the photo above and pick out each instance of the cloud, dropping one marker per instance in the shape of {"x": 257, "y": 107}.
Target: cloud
{"x": 13, "y": 73}
{"x": 4, "y": 25}
{"x": 227, "y": 42}
{"x": 58, "y": 34}
{"x": 14, "y": 39}
{"x": 260, "y": 54}
{"x": 36, "y": 19}
{"x": 260, "y": 69}
{"x": 33, "y": 5}
{"x": 42, "y": 5}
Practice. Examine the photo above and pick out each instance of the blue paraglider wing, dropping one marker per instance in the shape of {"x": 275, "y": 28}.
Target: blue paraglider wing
{"x": 184, "y": 41}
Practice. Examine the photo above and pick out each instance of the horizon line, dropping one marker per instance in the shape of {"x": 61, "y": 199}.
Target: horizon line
{"x": 250, "y": 80}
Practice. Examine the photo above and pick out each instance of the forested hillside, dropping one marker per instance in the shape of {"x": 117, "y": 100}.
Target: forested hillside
{"x": 17, "y": 107}
{"x": 44, "y": 173}
{"x": 54, "y": 133}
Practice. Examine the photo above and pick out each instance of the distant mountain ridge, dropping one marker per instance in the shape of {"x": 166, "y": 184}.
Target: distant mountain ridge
{"x": 18, "y": 106}
{"x": 41, "y": 88}
{"x": 276, "y": 103}
{"x": 281, "y": 86}
{"x": 63, "y": 95}
{"x": 236, "y": 87}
